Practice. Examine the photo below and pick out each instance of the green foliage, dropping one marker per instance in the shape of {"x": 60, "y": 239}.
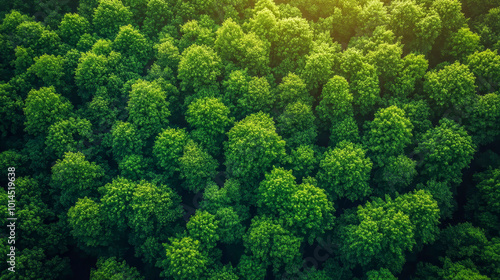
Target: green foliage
{"x": 199, "y": 66}
{"x": 451, "y": 86}
{"x": 336, "y": 100}
{"x": 230, "y": 228}
{"x": 113, "y": 269}
{"x": 109, "y": 16}
{"x": 488, "y": 187}
{"x": 148, "y": 108}
{"x": 131, "y": 43}
{"x": 210, "y": 119}
{"x": 385, "y": 230}
{"x": 486, "y": 67}
{"x": 253, "y": 147}
{"x": 269, "y": 243}
{"x": 388, "y": 134}
{"x": 345, "y": 172}
{"x": 11, "y": 110}
{"x": 158, "y": 14}
{"x": 49, "y": 69}
{"x": 483, "y": 121}
{"x": 203, "y": 227}
{"x": 303, "y": 161}
{"x": 381, "y": 274}
{"x": 74, "y": 177}
{"x": 345, "y": 129}
{"x": 291, "y": 89}
{"x": 185, "y": 259}
{"x": 43, "y": 108}
{"x": 168, "y": 148}
{"x": 445, "y": 150}
{"x": 196, "y": 167}
{"x": 91, "y": 73}
{"x": 70, "y": 135}
{"x": 297, "y": 125}
{"x": 125, "y": 140}
{"x": 262, "y": 115}
{"x": 251, "y": 268}
{"x": 88, "y": 223}
{"x": 72, "y": 27}
{"x": 462, "y": 43}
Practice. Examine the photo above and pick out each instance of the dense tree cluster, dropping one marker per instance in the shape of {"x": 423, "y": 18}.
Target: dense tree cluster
{"x": 251, "y": 139}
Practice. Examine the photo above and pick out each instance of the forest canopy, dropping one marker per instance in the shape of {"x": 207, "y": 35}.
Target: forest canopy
{"x": 250, "y": 139}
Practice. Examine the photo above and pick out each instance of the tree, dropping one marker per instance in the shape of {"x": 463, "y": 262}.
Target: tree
{"x": 387, "y": 61}
{"x": 275, "y": 191}
{"x": 154, "y": 211}
{"x": 454, "y": 85}
{"x": 168, "y": 148}
{"x": 336, "y": 100}
{"x": 43, "y": 108}
{"x": 109, "y": 16}
{"x": 303, "y": 161}
{"x": 49, "y": 69}
{"x": 295, "y": 41}
{"x": 445, "y": 150}
{"x": 344, "y": 129}
{"x": 292, "y": 89}
{"x": 74, "y": 177}
{"x": 310, "y": 212}
{"x": 450, "y": 12}
{"x": 133, "y": 45}
{"x": 345, "y": 172}
{"x": 209, "y": 118}
{"x": 363, "y": 79}
{"x": 116, "y": 202}
{"x": 91, "y": 73}
{"x": 488, "y": 188}
{"x": 125, "y": 141}
{"x": 396, "y": 174}
{"x": 89, "y": 224}
{"x": 269, "y": 243}
{"x": 297, "y": 125}
{"x": 71, "y": 135}
{"x": 253, "y": 146}
{"x": 185, "y": 259}
{"x": 72, "y": 27}
{"x": 34, "y": 35}
{"x": 423, "y": 212}
{"x": 230, "y": 228}
{"x": 319, "y": 64}
{"x": 11, "y": 110}
{"x": 388, "y": 134}
{"x": 158, "y": 14}
{"x": 226, "y": 273}
{"x": 461, "y": 44}
{"x": 199, "y": 66}
{"x": 251, "y": 268}
{"x": 148, "y": 108}
{"x": 409, "y": 77}
{"x": 486, "y": 67}
{"x": 483, "y": 120}
{"x": 258, "y": 97}
{"x": 197, "y": 32}
{"x": 380, "y": 235}
{"x": 113, "y": 269}
{"x": 196, "y": 167}
{"x": 418, "y": 27}
{"x": 203, "y": 226}
{"x": 442, "y": 193}
{"x": 381, "y": 274}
